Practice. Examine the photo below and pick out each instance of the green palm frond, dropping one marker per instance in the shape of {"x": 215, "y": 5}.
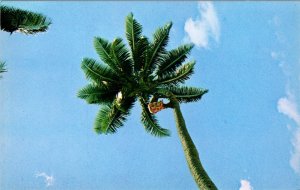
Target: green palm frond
{"x": 103, "y": 48}
{"x": 108, "y": 119}
{"x": 180, "y": 76}
{"x": 13, "y": 19}
{"x": 98, "y": 72}
{"x": 111, "y": 117}
{"x": 173, "y": 59}
{"x": 140, "y": 54}
{"x": 187, "y": 94}
{"x": 2, "y": 68}
{"x": 150, "y": 122}
{"x": 121, "y": 57}
{"x": 133, "y": 31}
{"x": 138, "y": 43}
{"x": 95, "y": 94}
{"x": 157, "y": 48}
{"x": 125, "y": 104}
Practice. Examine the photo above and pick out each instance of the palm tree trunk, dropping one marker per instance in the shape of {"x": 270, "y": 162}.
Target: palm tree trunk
{"x": 191, "y": 154}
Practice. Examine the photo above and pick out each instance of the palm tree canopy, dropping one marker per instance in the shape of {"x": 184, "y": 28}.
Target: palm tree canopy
{"x": 13, "y": 19}
{"x": 144, "y": 70}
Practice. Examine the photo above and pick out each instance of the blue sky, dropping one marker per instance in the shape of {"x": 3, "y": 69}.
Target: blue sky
{"x": 246, "y": 129}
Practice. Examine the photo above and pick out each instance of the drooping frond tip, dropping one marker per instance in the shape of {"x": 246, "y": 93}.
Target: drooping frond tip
{"x": 27, "y": 22}
{"x": 112, "y": 116}
{"x": 108, "y": 120}
{"x": 150, "y": 122}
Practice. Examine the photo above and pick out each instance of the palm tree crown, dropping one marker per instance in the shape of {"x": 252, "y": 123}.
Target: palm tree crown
{"x": 13, "y": 19}
{"x": 145, "y": 72}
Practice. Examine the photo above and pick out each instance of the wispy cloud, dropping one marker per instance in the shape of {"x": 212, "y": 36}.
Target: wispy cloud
{"x": 288, "y": 106}
{"x": 200, "y": 30}
{"x": 49, "y": 180}
{"x": 245, "y": 185}
{"x": 295, "y": 158}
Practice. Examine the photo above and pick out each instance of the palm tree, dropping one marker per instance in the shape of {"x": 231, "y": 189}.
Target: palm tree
{"x": 147, "y": 72}
{"x": 17, "y": 20}
{"x": 2, "y": 68}
{"x": 13, "y": 19}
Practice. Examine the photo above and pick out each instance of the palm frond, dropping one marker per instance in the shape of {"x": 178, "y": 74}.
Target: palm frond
{"x": 95, "y": 94}
{"x": 103, "y": 49}
{"x": 98, "y": 72}
{"x": 187, "y": 94}
{"x": 183, "y": 73}
{"x": 13, "y": 19}
{"x": 111, "y": 117}
{"x": 157, "y": 48}
{"x": 140, "y": 54}
{"x": 108, "y": 119}
{"x": 121, "y": 57}
{"x": 150, "y": 122}
{"x": 136, "y": 41}
{"x": 173, "y": 59}
{"x": 125, "y": 104}
{"x": 133, "y": 31}
{"x": 2, "y": 68}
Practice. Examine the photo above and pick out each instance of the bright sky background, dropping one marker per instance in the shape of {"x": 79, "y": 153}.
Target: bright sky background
{"x": 246, "y": 129}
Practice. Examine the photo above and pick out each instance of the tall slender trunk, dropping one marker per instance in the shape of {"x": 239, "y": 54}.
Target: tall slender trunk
{"x": 191, "y": 154}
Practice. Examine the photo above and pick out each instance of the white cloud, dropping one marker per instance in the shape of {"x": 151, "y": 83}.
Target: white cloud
{"x": 49, "y": 180}
{"x": 245, "y": 185}
{"x": 288, "y": 107}
{"x": 295, "y": 158}
{"x": 199, "y": 31}
{"x": 289, "y": 104}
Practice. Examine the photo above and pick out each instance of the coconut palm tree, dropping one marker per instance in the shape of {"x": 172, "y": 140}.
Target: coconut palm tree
{"x": 13, "y": 19}
{"x": 146, "y": 72}
{"x": 2, "y": 68}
